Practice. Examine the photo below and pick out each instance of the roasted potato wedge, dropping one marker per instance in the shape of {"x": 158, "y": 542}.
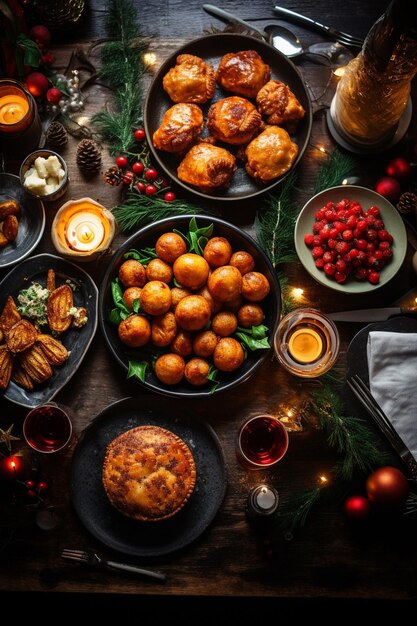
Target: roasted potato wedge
{"x": 9, "y": 207}
{"x": 21, "y": 336}
{"x": 6, "y": 365}
{"x": 53, "y": 350}
{"x": 21, "y": 377}
{"x": 9, "y": 316}
{"x": 60, "y": 302}
{"x": 50, "y": 280}
{"x": 35, "y": 364}
{"x": 10, "y": 227}
{"x": 3, "y": 240}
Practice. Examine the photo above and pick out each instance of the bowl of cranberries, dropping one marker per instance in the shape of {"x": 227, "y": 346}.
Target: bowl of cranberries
{"x": 351, "y": 239}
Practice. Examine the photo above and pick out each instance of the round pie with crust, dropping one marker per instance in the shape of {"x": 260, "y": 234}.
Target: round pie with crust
{"x": 149, "y": 473}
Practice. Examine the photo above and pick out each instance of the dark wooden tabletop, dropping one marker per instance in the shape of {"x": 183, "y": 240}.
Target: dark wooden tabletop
{"x": 326, "y": 559}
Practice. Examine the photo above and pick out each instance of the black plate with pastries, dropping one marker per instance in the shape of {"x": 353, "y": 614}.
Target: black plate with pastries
{"x": 76, "y": 340}
{"x": 147, "y": 539}
{"x": 211, "y": 48}
{"x": 239, "y": 240}
{"x": 31, "y": 221}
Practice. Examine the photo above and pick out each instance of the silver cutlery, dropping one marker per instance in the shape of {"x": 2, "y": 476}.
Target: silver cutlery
{"x": 340, "y": 36}
{"x": 364, "y": 395}
{"x": 370, "y": 315}
{"x": 91, "y": 558}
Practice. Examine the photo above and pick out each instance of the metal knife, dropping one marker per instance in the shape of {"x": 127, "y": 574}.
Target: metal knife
{"x": 231, "y": 19}
{"x": 370, "y": 315}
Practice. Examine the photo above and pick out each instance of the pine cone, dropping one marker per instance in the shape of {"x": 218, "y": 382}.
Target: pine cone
{"x": 407, "y": 203}
{"x": 56, "y": 135}
{"x": 88, "y": 156}
{"x": 113, "y": 176}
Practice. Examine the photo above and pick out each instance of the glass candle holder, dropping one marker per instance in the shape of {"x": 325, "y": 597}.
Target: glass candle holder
{"x": 262, "y": 442}
{"x": 20, "y": 124}
{"x": 306, "y": 343}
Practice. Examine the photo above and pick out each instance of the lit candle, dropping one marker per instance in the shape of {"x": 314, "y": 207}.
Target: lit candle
{"x": 85, "y": 231}
{"x": 305, "y": 345}
{"x": 262, "y": 502}
{"x": 13, "y": 108}
{"x": 11, "y": 467}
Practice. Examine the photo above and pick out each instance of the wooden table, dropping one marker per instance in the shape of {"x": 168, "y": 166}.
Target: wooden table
{"x": 325, "y": 560}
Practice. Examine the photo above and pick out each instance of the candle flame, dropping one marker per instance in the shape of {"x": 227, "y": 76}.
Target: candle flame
{"x": 297, "y": 293}
{"x": 149, "y": 58}
{"x": 323, "y": 479}
{"x": 12, "y": 464}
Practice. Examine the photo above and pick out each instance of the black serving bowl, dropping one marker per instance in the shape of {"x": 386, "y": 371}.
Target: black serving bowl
{"x": 147, "y": 237}
{"x": 211, "y": 49}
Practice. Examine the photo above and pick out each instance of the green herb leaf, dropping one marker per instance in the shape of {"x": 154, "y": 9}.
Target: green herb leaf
{"x": 254, "y": 338}
{"x": 136, "y": 305}
{"x": 118, "y": 299}
{"x": 212, "y": 376}
{"x": 138, "y": 369}
{"x": 115, "y": 317}
{"x": 31, "y": 52}
{"x": 197, "y": 237}
{"x": 144, "y": 256}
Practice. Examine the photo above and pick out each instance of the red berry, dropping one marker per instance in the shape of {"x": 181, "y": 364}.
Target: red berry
{"x": 342, "y": 247}
{"x": 371, "y": 234}
{"x": 37, "y": 84}
{"x": 340, "y": 277}
{"x": 320, "y": 214}
{"x": 40, "y": 35}
{"x": 150, "y": 190}
{"x": 121, "y": 161}
{"x": 387, "y": 254}
{"x": 361, "y": 244}
{"x": 128, "y": 178}
{"x": 163, "y": 182}
{"x": 151, "y": 174}
{"x": 373, "y": 278}
{"x": 373, "y": 210}
{"x": 140, "y": 187}
{"x": 308, "y": 239}
{"x": 138, "y": 167}
{"x": 139, "y": 134}
{"x": 331, "y": 243}
{"x": 361, "y": 273}
{"x": 317, "y": 252}
{"x": 329, "y": 269}
{"x": 317, "y": 240}
{"x": 42, "y": 486}
{"x": 31, "y": 494}
{"x": 341, "y": 265}
{"x": 319, "y": 263}
{"x": 169, "y": 196}
{"x": 347, "y": 235}
{"x": 29, "y": 484}
{"x": 329, "y": 256}
{"x": 53, "y": 95}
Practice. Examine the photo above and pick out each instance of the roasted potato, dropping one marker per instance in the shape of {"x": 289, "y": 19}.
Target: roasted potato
{"x": 225, "y": 283}
{"x": 60, "y": 301}
{"x": 9, "y": 316}
{"x": 134, "y": 331}
{"x": 170, "y": 246}
{"x": 177, "y": 294}
{"x": 132, "y": 273}
{"x": 243, "y": 261}
{"x": 192, "y": 313}
{"x": 21, "y": 336}
{"x": 54, "y": 351}
{"x": 10, "y": 227}
{"x": 130, "y": 295}
{"x": 250, "y": 315}
{"x": 35, "y": 364}
{"x": 224, "y": 323}
{"x": 255, "y": 286}
{"x": 191, "y": 270}
{"x": 196, "y": 372}
{"x": 155, "y": 298}
{"x": 204, "y": 343}
{"x": 182, "y": 343}
{"x": 228, "y": 355}
{"x": 157, "y": 269}
{"x": 169, "y": 368}
{"x": 163, "y": 329}
{"x": 217, "y": 251}
{"x": 9, "y": 207}
{"x": 6, "y": 365}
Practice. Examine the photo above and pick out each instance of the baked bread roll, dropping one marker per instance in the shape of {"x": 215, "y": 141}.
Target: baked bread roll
{"x": 149, "y": 473}
{"x": 207, "y": 167}
{"x": 233, "y": 120}
{"x": 242, "y": 73}
{"x": 270, "y": 154}
{"x": 179, "y": 129}
{"x": 190, "y": 80}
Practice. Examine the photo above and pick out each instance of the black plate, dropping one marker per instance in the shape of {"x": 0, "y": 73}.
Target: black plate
{"x": 146, "y": 538}
{"x": 239, "y": 241}
{"x": 31, "y": 220}
{"x": 34, "y": 269}
{"x": 211, "y": 48}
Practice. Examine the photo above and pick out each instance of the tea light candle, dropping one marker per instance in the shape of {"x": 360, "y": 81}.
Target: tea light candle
{"x": 305, "y": 345}
{"x": 20, "y": 125}
{"x": 262, "y": 502}
{"x": 82, "y": 229}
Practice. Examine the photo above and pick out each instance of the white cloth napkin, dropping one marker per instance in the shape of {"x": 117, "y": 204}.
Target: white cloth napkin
{"x": 392, "y": 365}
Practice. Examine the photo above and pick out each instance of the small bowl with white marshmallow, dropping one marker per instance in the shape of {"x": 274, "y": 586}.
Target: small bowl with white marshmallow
{"x": 44, "y": 174}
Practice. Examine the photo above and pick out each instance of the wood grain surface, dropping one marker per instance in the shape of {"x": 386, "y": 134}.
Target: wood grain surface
{"x": 327, "y": 559}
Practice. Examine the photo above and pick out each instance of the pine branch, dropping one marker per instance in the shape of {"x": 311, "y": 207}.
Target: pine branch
{"x": 295, "y": 510}
{"x": 275, "y": 226}
{"x": 338, "y": 167}
{"x": 349, "y": 435}
{"x": 136, "y": 210}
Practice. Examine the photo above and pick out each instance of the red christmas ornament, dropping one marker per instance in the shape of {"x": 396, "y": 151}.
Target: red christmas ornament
{"x": 400, "y": 169}
{"x": 53, "y": 95}
{"x": 357, "y": 508}
{"x": 139, "y": 134}
{"x": 388, "y": 187}
{"x": 40, "y": 35}
{"x": 387, "y": 486}
{"x": 37, "y": 84}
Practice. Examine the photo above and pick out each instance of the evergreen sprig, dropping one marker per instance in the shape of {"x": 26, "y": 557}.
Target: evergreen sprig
{"x": 275, "y": 225}
{"x": 123, "y": 69}
{"x": 295, "y": 510}
{"x": 337, "y": 168}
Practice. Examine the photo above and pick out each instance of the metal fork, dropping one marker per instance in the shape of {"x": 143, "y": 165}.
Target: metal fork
{"x": 364, "y": 395}
{"x": 338, "y": 35}
{"x": 91, "y": 558}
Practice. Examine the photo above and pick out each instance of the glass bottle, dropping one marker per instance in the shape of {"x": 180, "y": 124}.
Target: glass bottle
{"x": 374, "y": 90}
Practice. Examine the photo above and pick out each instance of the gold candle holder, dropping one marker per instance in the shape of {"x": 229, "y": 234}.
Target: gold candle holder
{"x": 82, "y": 230}
{"x": 20, "y": 125}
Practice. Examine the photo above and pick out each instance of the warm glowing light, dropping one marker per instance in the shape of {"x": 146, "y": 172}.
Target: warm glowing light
{"x": 297, "y": 293}
{"x": 13, "y": 108}
{"x": 290, "y": 413}
{"x": 323, "y": 479}
{"x": 339, "y": 71}
{"x": 85, "y": 231}
{"x": 345, "y": 181}
{"x": 82, "y": 120}
{"x": 149, "y": 58}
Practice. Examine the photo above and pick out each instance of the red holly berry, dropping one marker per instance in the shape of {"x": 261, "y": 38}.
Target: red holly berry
{"x": 53, "y": 95}
{"x": 388, "y": 187}
{"x": 140, "y": 187}
{"x": 29, "y": 484}
{"x": 151, "y": 174}
{"x": 31, "y": 494}
{"x": 139, "y": 134}
{"x": 150, "y": 190}
{"x": 121, "y": 161}
{"x": 128, "y": 178}
{"x": 47, "y": 58}
{"x": 169, "y": 196}
{"x": 138, "y": 167}
{"x": 317, "y": 252}
{"x": 42, "y": 486}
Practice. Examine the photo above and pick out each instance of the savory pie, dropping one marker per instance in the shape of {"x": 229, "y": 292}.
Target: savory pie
{"x": 233, "y": 120}
{"x": 243, "y": 73}
{"x": 270, "y": 154}
{"x": 179, "y": 129}
{"x": 277, "y": 102}
{"x": 190, "y": 80}
{"x": 149, "y": 473}
{"x": 207, "y": 167}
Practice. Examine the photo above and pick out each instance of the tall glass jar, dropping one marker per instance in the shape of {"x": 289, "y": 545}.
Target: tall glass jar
{"x": 374, "y": 90}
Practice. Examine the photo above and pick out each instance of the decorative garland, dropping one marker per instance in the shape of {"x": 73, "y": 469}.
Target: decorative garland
{"x": 274, "y": 227}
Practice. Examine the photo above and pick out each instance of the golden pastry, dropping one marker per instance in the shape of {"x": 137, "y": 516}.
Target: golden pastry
{"x": 270, "y": 154}
{"x": 279, "y": 105}
{"x": 180, "y": 127}
{"x": 207, "y": 167}
{"x": 243, "y": 73}
{"x": 190, "y": 80}
{"x": 233, "y": 120}
{"x": 149, "y": 473}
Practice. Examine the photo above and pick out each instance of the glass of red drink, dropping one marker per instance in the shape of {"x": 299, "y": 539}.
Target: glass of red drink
{"x": 47, "y": 428}
{"x": 262, "y": 441}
